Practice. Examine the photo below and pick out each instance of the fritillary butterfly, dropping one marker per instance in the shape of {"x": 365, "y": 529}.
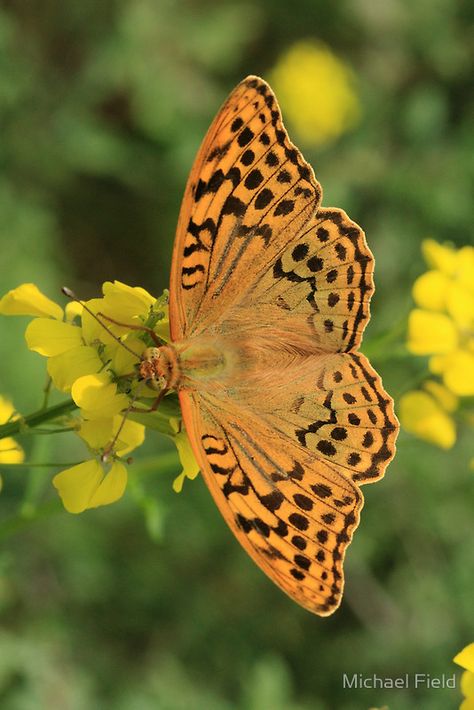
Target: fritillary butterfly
{"x": 269, "y": 298}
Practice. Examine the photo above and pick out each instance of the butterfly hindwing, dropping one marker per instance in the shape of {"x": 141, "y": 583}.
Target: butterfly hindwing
{"x": 293, "y": 515}
{"x": 285, "y": 469}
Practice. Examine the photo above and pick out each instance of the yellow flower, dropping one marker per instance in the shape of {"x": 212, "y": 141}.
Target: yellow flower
{"x": 27, "y": 300}
{"x": 121, "y": 361}
{"x": 62, "y": 344}
{"x": 73, "y": 310}
{"x": 89, "y": 485}
{"x": 67, "y": 367}
{"x": 444, "y": 397}
{"x": 439, "y": 256}
{"x": 424, "y": 416}
{"x": 186, "y": 456}
{"x": 430, "y": 333}
{"x": 51, "y": 337}
{"x": 443, "y": 325}
{"x": 315, "y": 89}
{"x": 124, "y": 304}
{"x": 97, "y": 396}
{"x": 430, "y": 289}
{"x": 465, "y": 659}
{"x": 457, "y": 369}
{"x": 90, "y": 359}
{"x": 10, "y": 451}
{"x": 99, "y": 433}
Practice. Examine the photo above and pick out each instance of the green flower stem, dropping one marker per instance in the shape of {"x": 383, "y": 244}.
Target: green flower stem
{"x": 31, "y": 421}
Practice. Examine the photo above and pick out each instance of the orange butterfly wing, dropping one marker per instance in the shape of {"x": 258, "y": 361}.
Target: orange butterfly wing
{"x": 285, "y": 470}
{"x": 284, "y": 444}
{"x": 249, "y": 188}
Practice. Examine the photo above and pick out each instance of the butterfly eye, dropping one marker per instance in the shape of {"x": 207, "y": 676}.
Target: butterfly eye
{"x": 149, "y": 368}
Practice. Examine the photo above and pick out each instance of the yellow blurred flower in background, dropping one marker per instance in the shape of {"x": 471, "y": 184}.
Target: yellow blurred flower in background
{"x": 442, "y": 327}
{"x": 316, "y": 91}
{"x": 426, "y": 414}
{"x": 443, "y": 324}
{"x": 465, "y": 659}
{"x": 10, "y": 450}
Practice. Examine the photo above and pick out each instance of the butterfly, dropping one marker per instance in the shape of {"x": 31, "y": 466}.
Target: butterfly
{"x": 269, "y": 297}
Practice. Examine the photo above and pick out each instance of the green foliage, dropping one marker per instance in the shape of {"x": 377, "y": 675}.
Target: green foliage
{"x": 150, "y": 603}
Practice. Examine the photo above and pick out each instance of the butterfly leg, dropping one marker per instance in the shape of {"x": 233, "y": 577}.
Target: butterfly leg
{"x": 154, "y": 406}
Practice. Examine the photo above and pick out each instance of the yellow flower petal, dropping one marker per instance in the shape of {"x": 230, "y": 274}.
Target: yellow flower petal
{"x": 66, "y": 368}
{"x": 437, "y": 364}
{"x": 77, "y": 485}
{"x": 27, "y": 300}
{"x": 131, "y": 435}
{"x": 430, "y": 333}
{"x": 92, "y": 330}
{"x": 97, "y": 396}
{"x": 51, "y": 337}
{"x": 316, "y": 90}
{"x": 121, "y": 360}
{"x": 125, "y": 303}
{"x": 10, "y": 451}
{"x": 465, "y": 658}
{"x": 467, "y": 704}
{"x": 7, "y": 411}
{"x": 422, "y": 416}
{"x": 430, "y": 290}
{"x": 465, "y": 268}
{"x": 460, "y": 305}
{"x": 111, "y": 488}
{"x": 97, "y": 433}
{"x": 73, "y": 310}
{"x": 187, "y": 458}
{"x": 440, "y": 256}
{"x": 448, "y": 401}
{"x": 467, "y": 684}
{"x": 458, "y": 374}
{"x": 178, "y": 482}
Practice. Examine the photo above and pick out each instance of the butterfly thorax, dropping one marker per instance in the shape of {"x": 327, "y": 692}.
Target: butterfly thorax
{"x": 187, "y": 364}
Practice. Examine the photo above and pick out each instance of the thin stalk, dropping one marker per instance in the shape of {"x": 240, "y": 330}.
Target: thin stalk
{"x": 32, "y": 420}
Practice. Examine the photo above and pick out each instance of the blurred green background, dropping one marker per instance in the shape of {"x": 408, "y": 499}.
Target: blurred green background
{"x": 150, "y": 603}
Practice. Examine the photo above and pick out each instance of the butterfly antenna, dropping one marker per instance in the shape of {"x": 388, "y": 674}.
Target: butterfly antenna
{"x": 70, "y": 294}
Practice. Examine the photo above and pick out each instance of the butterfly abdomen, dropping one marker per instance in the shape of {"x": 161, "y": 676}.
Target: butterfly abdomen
{"x": 203, "y": 360}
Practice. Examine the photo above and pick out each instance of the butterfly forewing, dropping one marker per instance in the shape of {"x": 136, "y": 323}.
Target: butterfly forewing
{"x": 252, "y": 185}
{"x": 280, "y": 287}
{"x": 324, "y": 278}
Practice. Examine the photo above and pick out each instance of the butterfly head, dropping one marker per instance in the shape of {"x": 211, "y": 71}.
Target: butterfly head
{"x": 159, "y": 367}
